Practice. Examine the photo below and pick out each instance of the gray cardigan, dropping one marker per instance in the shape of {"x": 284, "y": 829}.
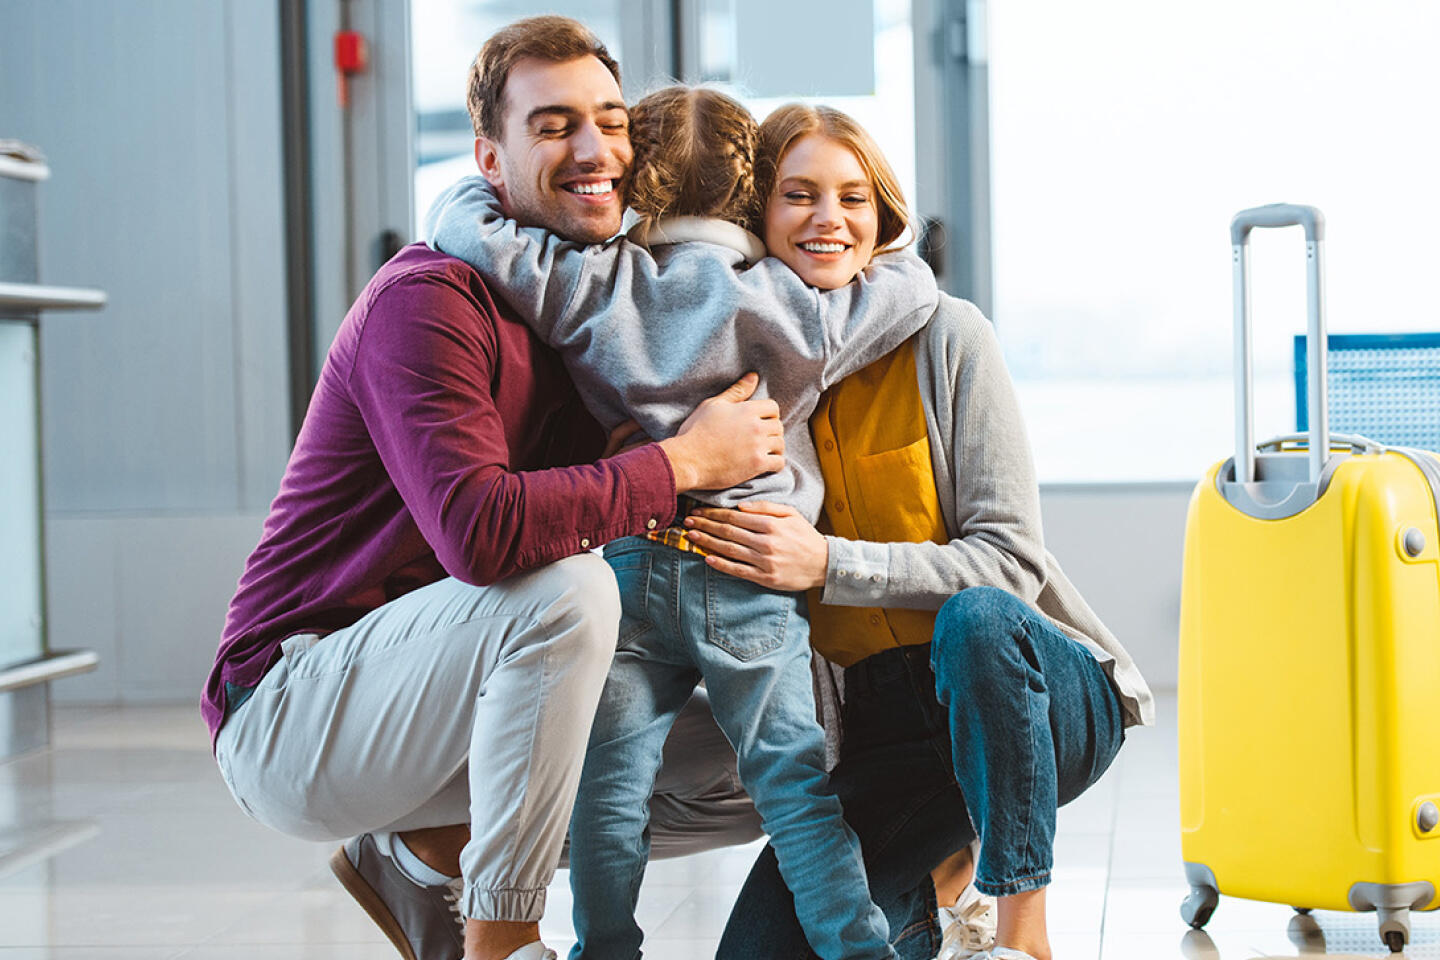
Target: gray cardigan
{"x": 990, "y": 500}
{"x": 648, "y": 331}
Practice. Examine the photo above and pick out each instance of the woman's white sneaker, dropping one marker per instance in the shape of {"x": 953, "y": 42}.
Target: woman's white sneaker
{"x": 968, "y": 928}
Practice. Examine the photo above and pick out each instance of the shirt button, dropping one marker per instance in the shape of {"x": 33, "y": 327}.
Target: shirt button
{"x": 829, "y": 444}
{"x": 839, "y": 506}
{"x": 585, "y": 542}
{"x": 650, "y": 524}
{"x": 875, "y": 619}
{"x": 841, "y": 574}
{"x": 875, "y": 579}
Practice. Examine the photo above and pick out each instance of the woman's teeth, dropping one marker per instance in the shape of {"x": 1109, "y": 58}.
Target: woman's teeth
{"x": 823, "y": 247}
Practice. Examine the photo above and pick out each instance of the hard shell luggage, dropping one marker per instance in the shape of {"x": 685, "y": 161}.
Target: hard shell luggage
{"x": 1310, "y": 656}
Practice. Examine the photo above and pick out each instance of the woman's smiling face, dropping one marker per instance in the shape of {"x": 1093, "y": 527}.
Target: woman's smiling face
{"x": 821, "y": 219}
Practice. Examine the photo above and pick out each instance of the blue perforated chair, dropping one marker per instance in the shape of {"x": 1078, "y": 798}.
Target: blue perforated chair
{"x": 1382, "y": 386}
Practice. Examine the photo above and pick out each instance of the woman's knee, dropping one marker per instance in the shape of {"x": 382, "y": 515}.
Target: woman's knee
{"x": 976, "y": 631}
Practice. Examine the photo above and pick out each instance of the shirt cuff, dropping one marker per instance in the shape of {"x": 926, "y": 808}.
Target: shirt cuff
{"x": 857, "y": 573}
{"x": 651, "y": 481}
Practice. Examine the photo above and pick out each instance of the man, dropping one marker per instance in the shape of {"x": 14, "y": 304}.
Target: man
{"x": 417, "y": 645}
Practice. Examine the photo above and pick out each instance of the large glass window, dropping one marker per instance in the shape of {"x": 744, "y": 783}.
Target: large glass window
{"x": 743, "y": 42}
{"x": 1125, "y": 133}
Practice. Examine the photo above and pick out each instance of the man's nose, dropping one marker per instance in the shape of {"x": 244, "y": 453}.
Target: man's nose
{"x": 589, "y": 145}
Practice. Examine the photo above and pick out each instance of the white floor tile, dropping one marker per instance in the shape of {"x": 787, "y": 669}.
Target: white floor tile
{"x": 172, "y": 870}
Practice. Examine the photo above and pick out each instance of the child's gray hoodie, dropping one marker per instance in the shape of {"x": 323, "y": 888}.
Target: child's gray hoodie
{"x": 649, "y": 332}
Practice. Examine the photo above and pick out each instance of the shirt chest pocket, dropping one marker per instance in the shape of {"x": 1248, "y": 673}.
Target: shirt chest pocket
{"x": 897, "y": 498}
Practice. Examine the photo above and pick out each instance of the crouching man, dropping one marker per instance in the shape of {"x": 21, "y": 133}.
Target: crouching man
{"x": 414, "y": 653}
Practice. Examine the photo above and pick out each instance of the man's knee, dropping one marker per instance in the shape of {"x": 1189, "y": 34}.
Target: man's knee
{"x": 584, "y": 609}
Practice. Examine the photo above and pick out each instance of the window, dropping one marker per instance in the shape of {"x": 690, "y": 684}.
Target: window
{"x": 1125, "y": 133}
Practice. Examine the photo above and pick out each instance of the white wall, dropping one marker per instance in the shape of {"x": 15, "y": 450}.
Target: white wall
{"x": 166, "y": 414}
{"x": 1122, "y": 544}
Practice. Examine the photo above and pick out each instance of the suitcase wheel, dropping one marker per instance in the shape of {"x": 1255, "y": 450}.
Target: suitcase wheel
{"x": 1394, "y": 927}
{"x": 1199, "y": 905}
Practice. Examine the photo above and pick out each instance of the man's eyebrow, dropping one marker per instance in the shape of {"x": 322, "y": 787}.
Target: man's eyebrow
{"x": 559, "y": 109}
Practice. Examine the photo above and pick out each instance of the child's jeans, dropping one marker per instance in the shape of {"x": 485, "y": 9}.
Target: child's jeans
{"x": 681, "y": 622}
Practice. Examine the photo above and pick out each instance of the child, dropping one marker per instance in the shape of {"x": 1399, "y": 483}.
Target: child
{"x": 647, "y": 326}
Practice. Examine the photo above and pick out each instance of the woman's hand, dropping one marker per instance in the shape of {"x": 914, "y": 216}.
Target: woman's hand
{"x": 765, "y": 543}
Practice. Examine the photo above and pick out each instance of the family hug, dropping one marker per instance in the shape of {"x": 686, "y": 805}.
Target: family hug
{"x": 658, "y": 501}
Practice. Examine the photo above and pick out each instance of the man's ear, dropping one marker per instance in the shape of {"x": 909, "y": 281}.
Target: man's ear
{"x": 487, "y": 158}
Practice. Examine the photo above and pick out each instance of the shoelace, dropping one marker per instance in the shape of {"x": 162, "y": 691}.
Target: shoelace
{"x": 970, "y": 927}
{"x": 455, "y": 889}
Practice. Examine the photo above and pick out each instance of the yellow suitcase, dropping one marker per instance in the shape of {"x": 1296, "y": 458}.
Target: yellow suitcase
{"x": 1310, "y": 657}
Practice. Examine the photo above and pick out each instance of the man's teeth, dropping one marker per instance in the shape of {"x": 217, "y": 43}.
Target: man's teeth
{"x": 823, "y": 247}
{"x": 604, "y": 187}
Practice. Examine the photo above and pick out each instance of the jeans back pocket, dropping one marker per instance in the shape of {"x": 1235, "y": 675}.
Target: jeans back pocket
{"x": 632, "y": 576}
{"x": 745, "y": 619}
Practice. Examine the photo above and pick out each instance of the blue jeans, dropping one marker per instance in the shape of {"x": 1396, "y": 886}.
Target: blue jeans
{"x": 680, "y": 622}
{"x": 996, "y": 723}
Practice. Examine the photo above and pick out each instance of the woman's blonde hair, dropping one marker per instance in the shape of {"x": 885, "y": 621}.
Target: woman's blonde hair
{"x": 789, "y": 123}
{"x": 694, "y": 156}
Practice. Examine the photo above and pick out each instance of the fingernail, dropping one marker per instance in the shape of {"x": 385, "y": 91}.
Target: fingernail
{"x": 689, "y": 521}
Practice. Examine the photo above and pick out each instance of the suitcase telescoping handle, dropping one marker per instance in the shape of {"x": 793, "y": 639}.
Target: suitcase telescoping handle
{"x": 1279, "y": 215}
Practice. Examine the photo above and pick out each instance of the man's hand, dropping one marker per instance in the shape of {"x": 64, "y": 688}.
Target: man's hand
{"x": 728, "y": 439}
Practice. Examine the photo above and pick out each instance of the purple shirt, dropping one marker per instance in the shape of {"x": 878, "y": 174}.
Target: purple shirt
{"x": 443, "y": 439}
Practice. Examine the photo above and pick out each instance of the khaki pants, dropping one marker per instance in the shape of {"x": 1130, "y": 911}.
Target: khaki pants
{"x": 464, "y": 704}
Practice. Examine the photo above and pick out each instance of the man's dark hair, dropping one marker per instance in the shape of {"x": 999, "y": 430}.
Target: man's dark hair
{"x": 553, "y": 38}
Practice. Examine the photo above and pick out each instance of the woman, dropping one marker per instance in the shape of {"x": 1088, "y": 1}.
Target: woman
{"x": 1008, "y": 702}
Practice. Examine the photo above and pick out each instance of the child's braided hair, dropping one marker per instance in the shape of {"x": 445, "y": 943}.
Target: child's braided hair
{"x": 694, "y": 156}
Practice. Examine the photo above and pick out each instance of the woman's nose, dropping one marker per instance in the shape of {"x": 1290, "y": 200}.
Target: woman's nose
{"x": 827, "y": 213}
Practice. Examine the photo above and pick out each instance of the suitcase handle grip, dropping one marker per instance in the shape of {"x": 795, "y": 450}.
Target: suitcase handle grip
{"x": 1338, "y": 441}
{"x": 1280, "y": 215}
{"x": 1277, "y": 215}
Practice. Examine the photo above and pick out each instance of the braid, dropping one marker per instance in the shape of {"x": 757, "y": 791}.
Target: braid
{"x": 694, "y": 155}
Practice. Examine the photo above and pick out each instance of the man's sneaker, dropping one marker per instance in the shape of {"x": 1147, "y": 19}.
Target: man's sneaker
{"x": 968, "y": 927}
{"x": 424, "y": 923}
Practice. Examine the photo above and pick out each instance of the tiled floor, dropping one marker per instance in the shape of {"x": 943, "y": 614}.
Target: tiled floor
{"x": 121, "y": 843}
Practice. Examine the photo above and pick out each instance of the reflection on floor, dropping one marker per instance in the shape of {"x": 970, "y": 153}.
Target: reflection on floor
{"x": 121, "y": 843}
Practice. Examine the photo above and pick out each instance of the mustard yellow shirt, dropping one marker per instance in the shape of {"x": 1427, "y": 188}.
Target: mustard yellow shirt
{"x": 874, "y": 454}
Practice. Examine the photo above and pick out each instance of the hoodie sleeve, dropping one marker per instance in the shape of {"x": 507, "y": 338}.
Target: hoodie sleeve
{"x": 854, "y": 325}
{"x": 537, "y": 272}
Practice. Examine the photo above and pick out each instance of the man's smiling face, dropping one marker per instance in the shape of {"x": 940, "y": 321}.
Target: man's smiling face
{"x": 565, "y": 151}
